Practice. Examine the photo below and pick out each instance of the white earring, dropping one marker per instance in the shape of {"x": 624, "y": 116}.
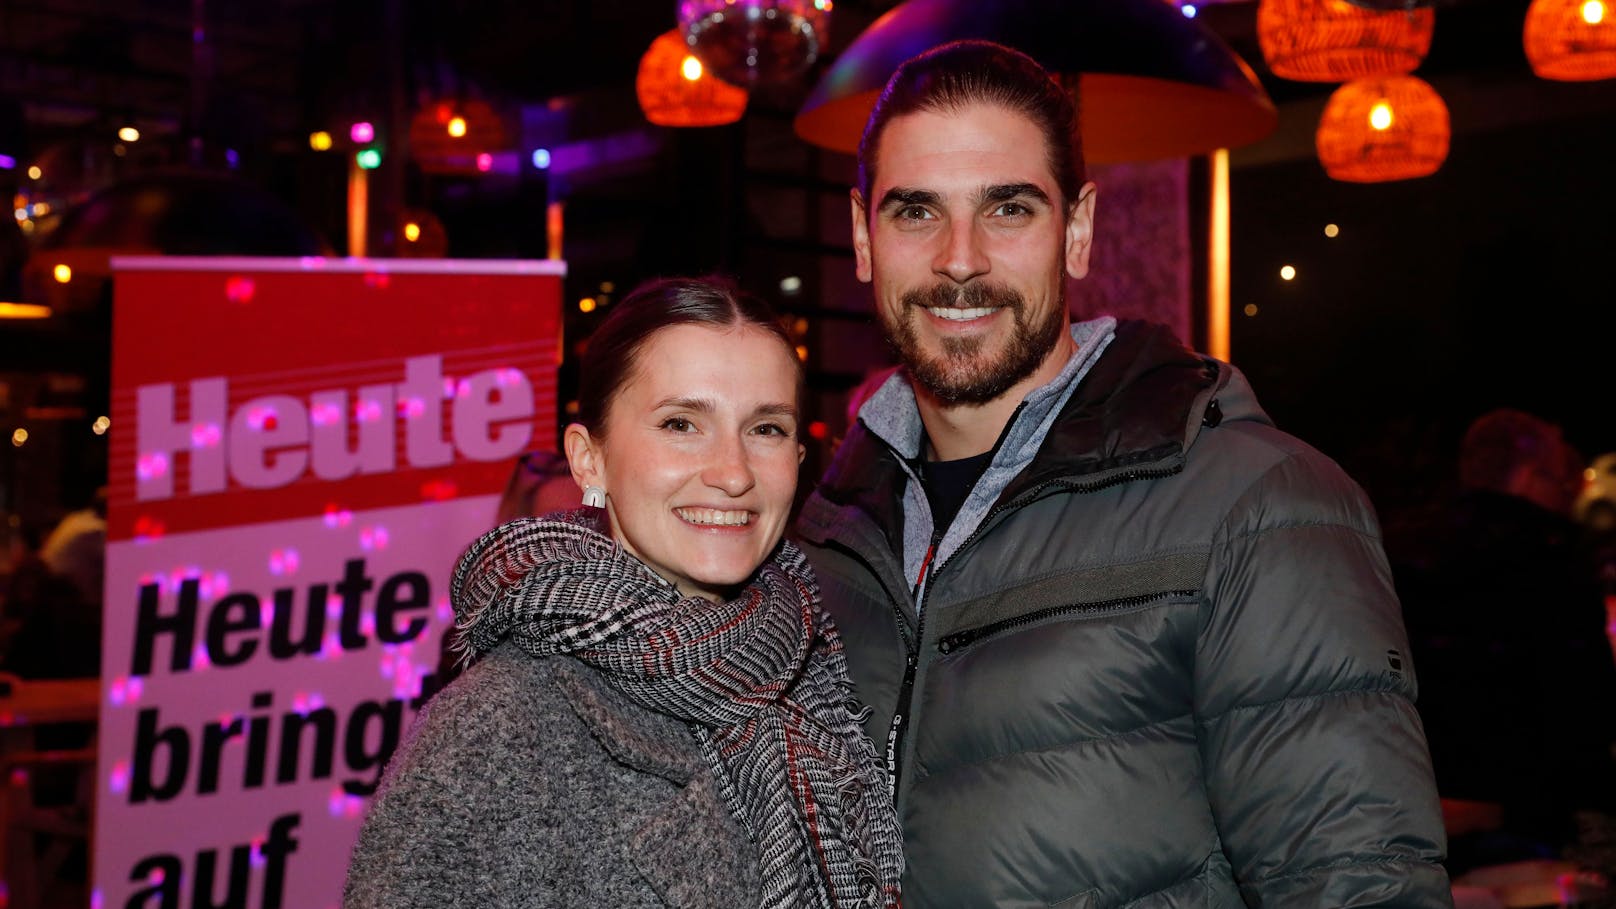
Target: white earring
{"x": 594, "y": 497}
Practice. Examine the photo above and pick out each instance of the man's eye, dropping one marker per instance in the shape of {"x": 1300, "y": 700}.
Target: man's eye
{"x": 772, "y": 429}
{"x": 678, "y": 424}
{"x": 1013, "y": 210}
{"x": 913, "y": 213}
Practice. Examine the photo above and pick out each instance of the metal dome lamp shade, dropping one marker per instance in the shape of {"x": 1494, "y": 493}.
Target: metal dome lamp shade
{"x": 1383, "y": 128}
{"x": 1151, "y": 83}
{"x": 1334, "y": 41}
{"x": 676, "y": 90}
{"x": 1571, "y": 40}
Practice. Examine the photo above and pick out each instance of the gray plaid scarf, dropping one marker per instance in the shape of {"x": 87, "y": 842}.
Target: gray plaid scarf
{"x": 761, "y": 677}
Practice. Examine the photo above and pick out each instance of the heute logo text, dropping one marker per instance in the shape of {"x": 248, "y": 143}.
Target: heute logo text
{"x": 275, "y": 440}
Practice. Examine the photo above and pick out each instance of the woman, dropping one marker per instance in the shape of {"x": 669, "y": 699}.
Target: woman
{"x": 661, "y": 715}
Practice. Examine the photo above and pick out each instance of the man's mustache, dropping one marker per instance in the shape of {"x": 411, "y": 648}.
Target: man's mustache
{"x": 970, "y": 295}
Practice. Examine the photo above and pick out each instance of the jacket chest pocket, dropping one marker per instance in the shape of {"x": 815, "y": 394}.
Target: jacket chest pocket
{"x": 1078, "y": 595}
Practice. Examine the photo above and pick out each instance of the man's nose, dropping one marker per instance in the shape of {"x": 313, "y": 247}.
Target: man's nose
{"x": 961, "y": 258}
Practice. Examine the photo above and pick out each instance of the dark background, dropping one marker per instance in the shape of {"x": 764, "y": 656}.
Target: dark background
{"x": 1487, "y": 284}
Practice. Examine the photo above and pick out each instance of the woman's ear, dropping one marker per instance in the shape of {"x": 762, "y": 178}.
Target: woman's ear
{"x": 585, "y": 456}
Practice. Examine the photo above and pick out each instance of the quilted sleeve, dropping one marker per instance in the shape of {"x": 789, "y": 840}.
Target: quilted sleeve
{"x": 1318, "y": 772}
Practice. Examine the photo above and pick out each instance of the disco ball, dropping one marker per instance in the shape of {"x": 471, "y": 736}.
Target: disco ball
{"x": 746, "y": 42}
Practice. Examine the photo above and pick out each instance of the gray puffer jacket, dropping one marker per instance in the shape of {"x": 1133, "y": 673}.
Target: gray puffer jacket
{"x": 1167, "y": 669}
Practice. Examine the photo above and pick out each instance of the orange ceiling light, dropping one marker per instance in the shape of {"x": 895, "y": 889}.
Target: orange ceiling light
{"x": 1334, "y": 41}
{"x": 1571, "y": 40}
{"x": 446, "y": 136}
{"x": 676, "y": 90}
{"x": 1383, "y": 128}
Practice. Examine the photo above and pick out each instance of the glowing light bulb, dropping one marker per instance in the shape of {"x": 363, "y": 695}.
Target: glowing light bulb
{"x": 587, "y": 304}
{"x": 1593, "y": 12}
{"x": 412, "y": 231}
{"x": 1331, "y": 230}
{"x": 485, "y": 162}
{"x": 19, "y": 436}
{"x": 362, "y": 132}
{"x": 129, "y": 134}
{"x": 691, "y": 68}
{"x": 62, "y": 273}
{"x": 1287, "y": 273}
{"x": 34, "y": 173}
{"x": 457, "y": 126}
{"x": 1380, "y": 116}
{"x": 369, "y": 159}
{"x": 541, "y": 158}
{"x": 320, "y": 140}
{"x": 100, "y": 426}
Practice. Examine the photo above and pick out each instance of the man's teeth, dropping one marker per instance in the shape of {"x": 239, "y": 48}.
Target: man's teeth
{"x": 714, "y": 517}
{"x": 956, "y": 314}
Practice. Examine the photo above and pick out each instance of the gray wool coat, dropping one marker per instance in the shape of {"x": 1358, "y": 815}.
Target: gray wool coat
{"x": 529, "y": 782}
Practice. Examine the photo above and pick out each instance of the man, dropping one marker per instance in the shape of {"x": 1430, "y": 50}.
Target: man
{"x": 1506, "y": 618}
{"x": 1125, "y": 642}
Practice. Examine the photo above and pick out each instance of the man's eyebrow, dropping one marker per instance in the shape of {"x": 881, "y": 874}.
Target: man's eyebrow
{"x": 1004, "y": 192}
{"x": 899, "y": 196}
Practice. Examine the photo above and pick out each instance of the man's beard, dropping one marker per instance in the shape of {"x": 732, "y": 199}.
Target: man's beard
{"x": 960, "y": 375}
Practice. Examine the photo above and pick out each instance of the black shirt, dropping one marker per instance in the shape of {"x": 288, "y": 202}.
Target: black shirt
{"x": 948, "y": 483}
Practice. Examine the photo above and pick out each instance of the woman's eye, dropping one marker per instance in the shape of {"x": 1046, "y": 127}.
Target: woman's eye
{"x": 678, "y": 424}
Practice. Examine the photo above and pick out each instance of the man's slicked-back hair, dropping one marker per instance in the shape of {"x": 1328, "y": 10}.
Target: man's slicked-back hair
{"x": 953, "y": 76}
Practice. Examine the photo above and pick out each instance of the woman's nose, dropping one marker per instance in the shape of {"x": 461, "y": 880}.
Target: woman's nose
{"x": 730, "y": 469}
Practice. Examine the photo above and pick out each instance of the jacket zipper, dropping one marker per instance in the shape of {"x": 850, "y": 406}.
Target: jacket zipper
{"x": 911, "y": 660}
{"x": 960, "y": 639}
{"x": 906, "y": 691}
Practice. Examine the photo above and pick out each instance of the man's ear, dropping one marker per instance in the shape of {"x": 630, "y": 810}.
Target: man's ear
{"x": 861, "y": 237}
{"x": 1080, "y": 232}
{"x": 585, "y": 456}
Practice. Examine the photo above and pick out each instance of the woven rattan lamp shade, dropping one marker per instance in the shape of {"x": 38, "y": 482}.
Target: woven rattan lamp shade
{"x": 1571, "y": 40}
{"x": 1333, "y": 40}
{"x": 1383, "y": 128}
{"x": 669, "y": 98}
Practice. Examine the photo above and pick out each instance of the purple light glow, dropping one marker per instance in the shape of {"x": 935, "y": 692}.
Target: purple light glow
{"x": 151, "y": 465}
{"x": 362, "y": 132}
{"x": 118, "y": 779}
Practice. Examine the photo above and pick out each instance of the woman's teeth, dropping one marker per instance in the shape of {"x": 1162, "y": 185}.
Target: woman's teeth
{"x": 713, "y": 516}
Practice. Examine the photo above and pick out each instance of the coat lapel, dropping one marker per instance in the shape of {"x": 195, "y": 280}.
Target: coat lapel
{"x": 688, "y": 847}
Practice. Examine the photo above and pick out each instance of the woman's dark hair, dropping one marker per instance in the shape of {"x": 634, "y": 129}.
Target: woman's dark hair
{"x": 609, "y": 360}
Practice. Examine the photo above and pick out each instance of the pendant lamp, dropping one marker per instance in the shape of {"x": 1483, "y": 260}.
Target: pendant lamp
{"x": 1333, "y": 40}
{"x": 1383, "y": 128}
{"x": 676, "y": 90}
{"x": 1571, "y": 40}
{"x": 746, "y": 42}
{"x": 1151, "y": 82}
